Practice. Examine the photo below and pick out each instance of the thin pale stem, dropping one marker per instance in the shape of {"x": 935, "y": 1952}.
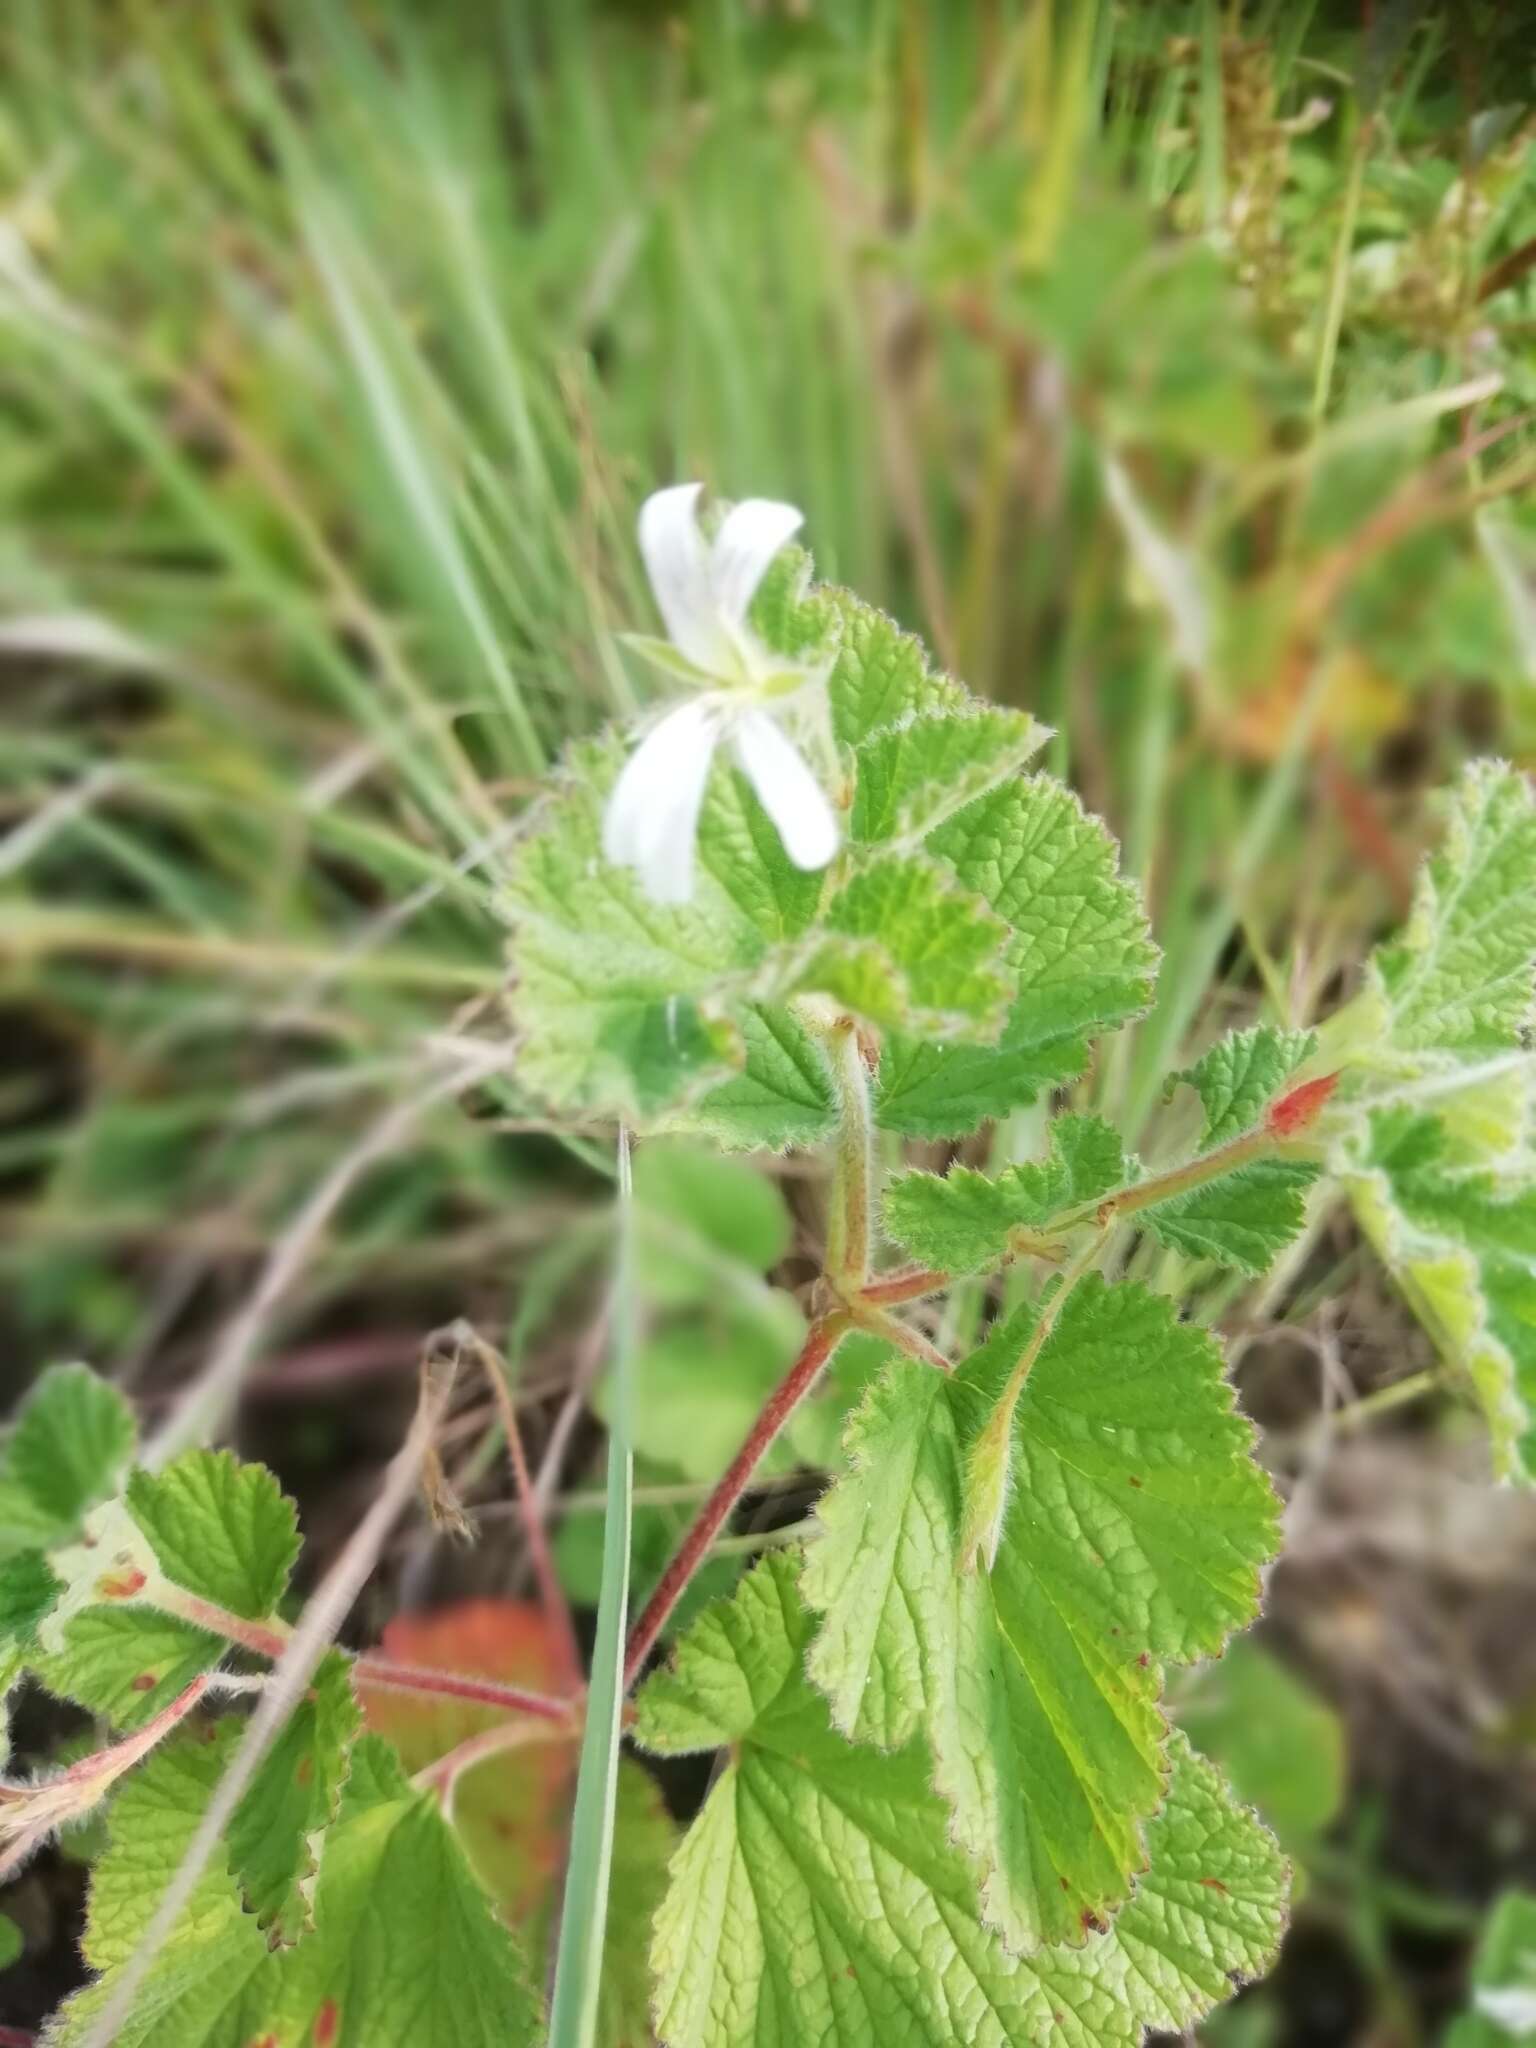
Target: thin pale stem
{"x": 458, "y": 1685}
{"x": 907, "y": 1283}
{"x": 443, "y": 1775}
{"x": 901, "y": 1335}
{"x": 552, "y": 1600}
{"x": 987, "y": 1478}
{"x": 821, "y": 1341}
{"x": 268, "y": 1638}
{"x": 1177, "y": 1180}
{"x": 1397, "y": 1394}
{"x": 850, "y": 1225}
{"x": 271, "y": 1638}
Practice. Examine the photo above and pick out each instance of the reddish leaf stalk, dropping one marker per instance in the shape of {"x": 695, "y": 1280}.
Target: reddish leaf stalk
{"x": 487, "y": 1692}
{"x": 270, "y": 1639}
{"x": 909, "y": 1283}
{"x": 552, "y": 1600}
{"x": 821, "y": 1341}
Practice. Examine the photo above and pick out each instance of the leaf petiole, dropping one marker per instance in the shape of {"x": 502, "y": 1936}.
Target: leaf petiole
{"x": 989, "y": 1468}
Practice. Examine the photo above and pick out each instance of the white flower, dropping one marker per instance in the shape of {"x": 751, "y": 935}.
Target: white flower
{"x": 1513, "y": 2011}
{"x": 703, "y": 589}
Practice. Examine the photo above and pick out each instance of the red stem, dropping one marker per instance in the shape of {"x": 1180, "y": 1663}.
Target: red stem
{"x": 270, "y": 1639}
{"x": 821, "y": 1341}
{"x": 488, "y": 1692}
{"x": 13, "y": 2037}
{"x": 552, "y": 1598}
{"x": 909, "y": 1283}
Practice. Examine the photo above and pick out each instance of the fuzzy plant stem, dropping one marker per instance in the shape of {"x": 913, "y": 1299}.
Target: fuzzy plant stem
{"x": 271, "y": 1638}
{"x": 850, "y": 1234}
{"x": 821, "y": 1341}
{"x": 850, "y": 1221}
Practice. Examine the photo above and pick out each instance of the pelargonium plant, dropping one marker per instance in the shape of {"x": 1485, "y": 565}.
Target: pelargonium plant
{"x": 824, "y": 903}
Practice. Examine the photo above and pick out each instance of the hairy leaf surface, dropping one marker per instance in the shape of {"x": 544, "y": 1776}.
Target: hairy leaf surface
{"x": 1136, "y": 1530}
{"x": 406, "y": 1944}
{"x": 974, "y": 918}
{"x": 818, "y": 1896}
{"x": 67, "y": 1451}
{"x": 963, "y": 1221}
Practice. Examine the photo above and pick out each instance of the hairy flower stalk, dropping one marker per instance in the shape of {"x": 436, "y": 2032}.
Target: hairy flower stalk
{"x": 32, "y": 1811}
{"x": 703, "y": 590}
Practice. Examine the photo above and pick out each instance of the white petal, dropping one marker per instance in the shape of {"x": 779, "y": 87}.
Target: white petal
{"x": 652, "y": 815}
{"x": 789, "y": 792}
{"x": 750, "y": 537}
{"x": 678, "y": 562}
{"x": 1513, "y": 2010}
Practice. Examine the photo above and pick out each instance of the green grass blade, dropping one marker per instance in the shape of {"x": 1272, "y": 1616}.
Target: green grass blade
{"x": 584, "y": 1916}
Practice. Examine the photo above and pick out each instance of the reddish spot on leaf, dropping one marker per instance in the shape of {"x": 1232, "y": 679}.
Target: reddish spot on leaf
{"x": 510, "y": 1810}
{"x": 306, "y": 1770}
{"x": 1144, "y": 1660}
{"x": 1135, "y": 1482}
{"x": 1302, "y": 1106}
{"x": 265, "y": 2041}
{"x": 121, "y": 1585}
{"x": 145, "y": 1682}
{"x": 327, "y": 2024}
{"x": 850, "y": 1971}
{"x": 1094, "y": 1923}
{"x": 1064, "y": 1885}
{"x": 1215, "y": 1884}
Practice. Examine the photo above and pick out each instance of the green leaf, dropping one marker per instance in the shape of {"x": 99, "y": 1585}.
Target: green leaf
{"x": 125, "y": 1663}
{"x": 1244, "y": 1218}
{"x": 68, "y": 1449}
{"x": 945, "y": 945}
{"x": 275, "y": 1834}
{"x": 783, "y": 1093}
{"x": 915, "y": 774}
{"x": 12, "y": 1942}
{"x": 1460, "y": 981}
{"x": 220, "y": 1528}
{"x": 406, "y": 1943}
{"x": 963, "y": 1222}
{"x": 1460, "y": 1242}
{"x": 881, "y": 676}
{"x": 11, "y": 1670}
{"x": 926, "y": 925}
{"x": 695, "y": 1212}
{"x": 1137, "y": 1527}
{"x": 818, "y": 1896}
{"x": 29, "y": 1590}
{"x": 1241, "y": 1076}
{"x": 1503, "y": 2008}
{"x": 610, "y": 988}
{"x": 209, "y": 1525}
{"x": 1279, "y": 1743}
{"x": 1079, "y": 955}
{"x": 1437, "y": 1163}
{"x": 700, "y": 1383}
